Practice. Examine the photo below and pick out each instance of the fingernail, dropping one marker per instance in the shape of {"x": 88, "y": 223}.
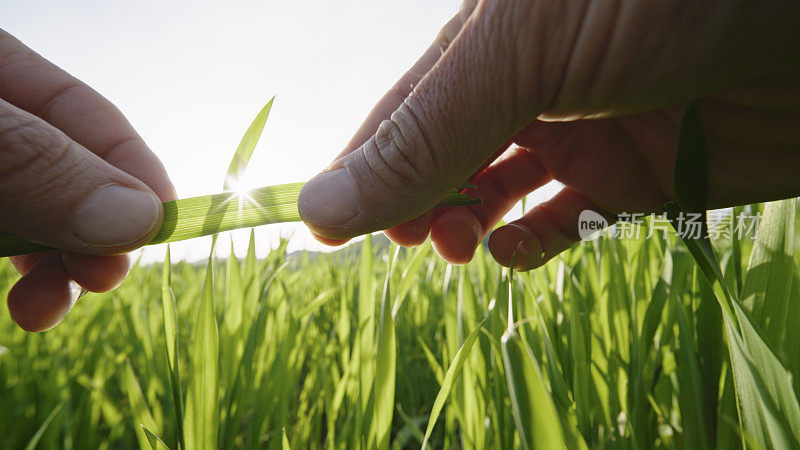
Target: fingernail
{"x": 329, "y": 200}
{"x": 528, "y": 253}
{"x": 114, "y": 216}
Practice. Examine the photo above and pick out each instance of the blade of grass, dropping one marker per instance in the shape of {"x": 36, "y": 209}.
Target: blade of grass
{"x": 169, "y": 309}
{"x": 155, "y": 442}
{"x": 690, "y": 397}
{"x": 436, "y": 368}
{"x": 202, "y": 403}
{"x": 285, "y": 440}
{"x": 246, "y": 146}
{"x": 535, "y": 414}
{"x": 40, "y": 432}
{"x": 140, "y": 412}
{"x": 366, "y": 335}
{"x": 768, "y": 280}
{"x": 538, "y": 421}
{"x": 449, "y": 380}
{"x": 691, "y": 163}
{"x": 385, "y": 367}
{"x": 209, "y": 214}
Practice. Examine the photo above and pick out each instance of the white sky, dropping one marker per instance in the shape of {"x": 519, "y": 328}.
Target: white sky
{"x": 191, "y": 76}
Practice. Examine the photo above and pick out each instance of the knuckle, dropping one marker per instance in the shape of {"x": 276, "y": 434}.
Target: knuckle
{"x": 33, "y": 159}
{"x": 403, "y": 156}
{"x": 451, "y": 29}
{"x": 45, "y": 109}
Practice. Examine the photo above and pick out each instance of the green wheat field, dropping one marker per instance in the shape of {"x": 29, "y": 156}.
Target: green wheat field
{"x": 615, "y": 344}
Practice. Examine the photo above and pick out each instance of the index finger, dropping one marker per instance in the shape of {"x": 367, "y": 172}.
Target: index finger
{"x": 415, "y": 231}
{"x": 403, "y": 87}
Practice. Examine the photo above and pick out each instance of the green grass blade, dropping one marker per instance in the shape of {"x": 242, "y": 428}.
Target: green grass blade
{"x": 366, "y": 334}
{"x": 535, "y": 414}
{"x": 189, "y": 218}
{"x": 155, "y": 442}
{"x": 691, "y": 163}
{"x": 285, "y": 440}
{"x": 202, "y": 403}
{"x": 246, "y": 146}
{"x": 767, "y": 404}
{"x": 767, "y": 284}
{"x": 40, "y": 432}
{"x": 436, "y": 368}
{"x": 711, "y": 349}
{"x": 696, "y": 431}
{"x": 385, "y": 367}
{"x": 408, "y": 277}
{"x": 169, "y": 310}
{"x": 139, "y": 410}
{"x": 449, "y": 380}
{"x": 210, "y": 214}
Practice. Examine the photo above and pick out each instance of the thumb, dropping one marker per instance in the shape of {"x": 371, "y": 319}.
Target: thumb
{"x": 453, "y": 120}
{"x": 55, "y": 192}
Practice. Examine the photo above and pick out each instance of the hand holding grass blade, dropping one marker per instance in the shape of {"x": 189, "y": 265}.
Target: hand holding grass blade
{"x": 201, "y": 216}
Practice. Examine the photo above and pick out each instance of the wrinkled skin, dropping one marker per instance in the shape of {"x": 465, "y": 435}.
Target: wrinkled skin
{"x": 60, "y": 142}
{"x": 586, "y": 93}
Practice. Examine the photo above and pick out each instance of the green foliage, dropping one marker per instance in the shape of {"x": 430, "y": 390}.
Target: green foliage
{"x": 292, "y": 355}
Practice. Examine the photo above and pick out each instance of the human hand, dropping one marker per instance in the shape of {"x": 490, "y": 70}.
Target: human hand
{"x": 74, "y": 175}
{"x": 591, "y": 93}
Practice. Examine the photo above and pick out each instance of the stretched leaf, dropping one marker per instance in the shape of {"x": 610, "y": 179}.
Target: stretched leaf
{"x": 209, "y": 214}
{"x": 691, "y": 163}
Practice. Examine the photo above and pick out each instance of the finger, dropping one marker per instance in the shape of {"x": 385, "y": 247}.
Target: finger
{"x": 39, "y": 87}
{"x": 55, "y": 192}
{"x": 542, "y": 233}
{"x": 92, "y": 272}
{"x": 457, "y": 232}
{"x": 24, "y": 263}
{"x": 96, "y": 273}
{"x": 43, "y": 296}
{"x": 328, "y": 241}
{"x": 405, "y": 235}
{"x": 433, "y": 142}
{"x": 398, "y": 93}
{"x": 414, "y": 232}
